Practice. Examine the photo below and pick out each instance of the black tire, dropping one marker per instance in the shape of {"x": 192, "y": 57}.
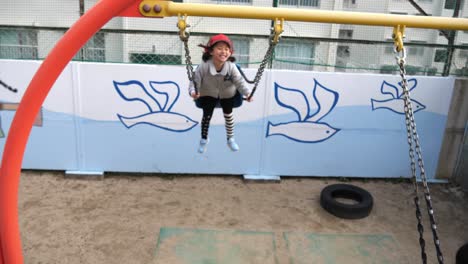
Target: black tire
{"x": 462, "y": 254}
{"x": 361, "y": 209}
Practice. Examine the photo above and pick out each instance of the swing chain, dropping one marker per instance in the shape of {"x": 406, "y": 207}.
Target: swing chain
{"x": 188, "y": 63}
{"x": 184, "y": 36}
{"x": 274, "y": 38}
{"x": 261, "y": 68}
{"x": 413, "y": 137}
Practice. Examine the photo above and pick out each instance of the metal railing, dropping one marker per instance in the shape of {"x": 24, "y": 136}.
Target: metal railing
{"x": 295, "y": 53}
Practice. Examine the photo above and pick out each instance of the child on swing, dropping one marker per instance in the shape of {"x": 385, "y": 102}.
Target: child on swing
{"x": 218, "y": 79}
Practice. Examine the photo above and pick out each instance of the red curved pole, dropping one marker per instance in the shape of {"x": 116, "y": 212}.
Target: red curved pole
{"x": 45, "y": 77}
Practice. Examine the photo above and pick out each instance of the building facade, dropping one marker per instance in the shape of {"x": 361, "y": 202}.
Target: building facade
{"x": 28, "y": 30}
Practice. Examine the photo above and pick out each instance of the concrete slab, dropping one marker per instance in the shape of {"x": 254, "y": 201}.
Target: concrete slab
{"x": 198, "y": 246}
{"x": 202, "y": 246}
{"x": 342, "y": 248}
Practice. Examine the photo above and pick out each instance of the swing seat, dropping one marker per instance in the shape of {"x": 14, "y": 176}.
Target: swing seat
{"x": 238, "y": 99}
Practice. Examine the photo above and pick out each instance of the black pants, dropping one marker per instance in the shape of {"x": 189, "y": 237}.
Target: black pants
{"x": 208, "y": 105}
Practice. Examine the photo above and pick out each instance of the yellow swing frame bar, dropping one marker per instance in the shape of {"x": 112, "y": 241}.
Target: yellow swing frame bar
{"x": 161, "y": 8}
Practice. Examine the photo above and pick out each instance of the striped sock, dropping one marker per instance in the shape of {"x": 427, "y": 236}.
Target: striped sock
{"x": 229, "y": 123}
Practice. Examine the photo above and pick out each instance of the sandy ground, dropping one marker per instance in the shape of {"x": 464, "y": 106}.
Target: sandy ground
{"x": 117, "y": 219}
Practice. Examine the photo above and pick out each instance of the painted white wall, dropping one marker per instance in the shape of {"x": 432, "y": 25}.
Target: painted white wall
{"x": 117, "y": 117}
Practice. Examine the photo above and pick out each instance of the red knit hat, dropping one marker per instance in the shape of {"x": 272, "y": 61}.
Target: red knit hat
{"x": 219, "y": 38}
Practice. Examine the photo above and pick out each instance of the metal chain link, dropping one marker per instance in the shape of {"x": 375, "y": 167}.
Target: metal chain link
{"x": 188, "y": 62}
{"x": 264, "y": 62}
{"x": 413, "y": 137}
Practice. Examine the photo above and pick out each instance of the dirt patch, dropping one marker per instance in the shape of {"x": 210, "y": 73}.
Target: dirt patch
{"x": 117, "y": 219}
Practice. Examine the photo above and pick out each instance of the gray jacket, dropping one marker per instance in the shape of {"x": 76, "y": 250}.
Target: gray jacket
{"x": 221, "y": 84}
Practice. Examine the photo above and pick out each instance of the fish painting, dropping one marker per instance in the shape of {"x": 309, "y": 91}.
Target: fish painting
{"x": 310, "y": 109}
{"x": 165, "y": 120}
{"x": 159, "y": 101}
{"x": 395, "y": 101}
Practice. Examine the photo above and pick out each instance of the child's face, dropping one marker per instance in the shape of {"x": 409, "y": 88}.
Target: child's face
{"x": 221, "y": 52}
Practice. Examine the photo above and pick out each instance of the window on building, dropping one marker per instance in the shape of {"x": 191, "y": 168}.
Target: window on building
{"x": 18, "y": 44}
{"x": 389, "y": 49}
{"x": 440, "y": 55}
{"x": 94, "y": 49}
{"x": 300, "y": 3}
{"x": 294, "y": 55}
{"x": 345, "y": 34}
{"x": 463, "y": 53}
{"x": 450, "y": 4}
{"x": 242, "y": 47}
{"x": 232, "y": 1}
{"x": 349, "y": 3}
{"x": 343, "y": 52}
{"x": 151, "y": 58}
{"x": 416, "y": 50}
{"x": 342, "y": 57}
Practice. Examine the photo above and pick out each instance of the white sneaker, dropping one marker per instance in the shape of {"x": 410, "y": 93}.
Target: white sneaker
{"x": 232, "y": 144}
{"x": 203, "y": 145}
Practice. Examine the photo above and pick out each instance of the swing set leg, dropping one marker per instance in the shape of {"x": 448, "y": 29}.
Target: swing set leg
{"x": 45, "y": 77}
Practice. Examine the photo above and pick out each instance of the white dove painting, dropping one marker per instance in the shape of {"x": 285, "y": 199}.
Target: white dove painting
{"x": 310, "y": 109}
{"x": 159, "y": 102}
{"x": 395, "y": 101}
